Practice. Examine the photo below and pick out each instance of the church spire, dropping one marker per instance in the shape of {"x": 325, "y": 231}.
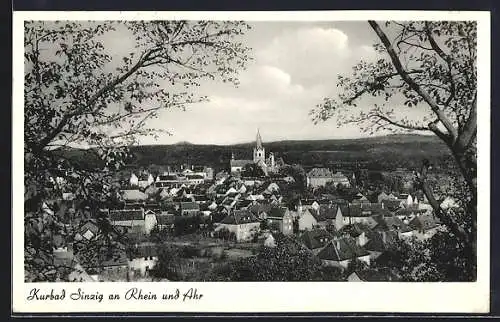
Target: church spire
{"x": 258, "y": 142}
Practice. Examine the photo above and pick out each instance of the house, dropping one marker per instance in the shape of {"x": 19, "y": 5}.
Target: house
{"x": 341, "y": 251}
{"x": 189, "y": 208}
{"x": 110, "y": 267}
{"x": 406, "y": 199}
{"x": 87, "y": 231}
{"x": 305, "y": 204}
{"x": 133, "y": 181}
{"x": 380, "y": 242}
{"x": 318, "y": 177}
{"x": 315, "y": 239}
{"x": 242, "y": 223}
{"x": 360, "y": 213}
{"x": 329, "y": 215}
{"x": 269, "y": 241}
{"x": 133, "y": 195}
{"x": 273, "y": 187}
{"x": 392, "y": 224}
{"x": 281, "y": 219}
{"x": 150, "y": 220}
{"x": 170, "y": 180}
{"x": 359, "y": 198}
{"x": 165, "y": 221}
{"x": 260, "y": 210}
{"x": 392, "y": 204}
{"x": 372, "y": 275}
{"x": 237, "y": 166}
{"x": 145, "y": 180}
{"x": 424, "y": 226}
{"x": 128, "y": 218}
{"x": 143, "y": 258}
{"x": 407, "y": 214}
{"x": 195, "y": 179}
{"x": 307, "y": 221}
{"x": 340, "y": 179}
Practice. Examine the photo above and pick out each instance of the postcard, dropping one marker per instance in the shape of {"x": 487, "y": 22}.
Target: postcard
{"x": 245, "y": 162}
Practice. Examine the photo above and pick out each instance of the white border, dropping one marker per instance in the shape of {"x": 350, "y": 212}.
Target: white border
{"x": 268, "y": 297}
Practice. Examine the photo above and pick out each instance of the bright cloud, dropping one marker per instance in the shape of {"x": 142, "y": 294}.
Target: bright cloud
{"x": 295, "y": 67}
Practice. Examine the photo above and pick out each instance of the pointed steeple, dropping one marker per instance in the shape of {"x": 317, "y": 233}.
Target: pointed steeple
{"x": 258, "y": 141}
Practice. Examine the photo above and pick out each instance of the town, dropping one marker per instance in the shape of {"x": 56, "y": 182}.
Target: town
{"x": 188, "y": 221}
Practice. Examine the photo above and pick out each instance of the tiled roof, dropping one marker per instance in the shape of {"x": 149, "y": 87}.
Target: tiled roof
{"x": 134, "y": 195}
{"x": 194, "y": 176}
{"x": 376, "y": 241}
{"x": 89, "y": 225}
{"x": 277, "y": 212}
{"x": 317, "y": 238}
{"x": 126, "y": 214}
{"x": 240, "y": 163}
{"x": 391, "y": 223}
{"x": 391, "y": 204}
{"x": 342, "y": 249}
{"x": 257, "y": 209}
{"x": 168, "y": 177}
{"x": 239, "y": 217}
{"x": 189, "y": 206}
{"x": 362, "y": 210}
{"x": 320, "y": 173}
{"x": 354, "y": 230}
{"x": 423, "y": 222}
{"x": 165, "y": 219}
{"x": 144, "y": 250}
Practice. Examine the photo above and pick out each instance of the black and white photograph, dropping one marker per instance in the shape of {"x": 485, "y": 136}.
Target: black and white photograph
{"x": 252, "y": 150}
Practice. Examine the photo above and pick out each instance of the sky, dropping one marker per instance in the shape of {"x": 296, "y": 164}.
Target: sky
{"x": 295, "y": 65}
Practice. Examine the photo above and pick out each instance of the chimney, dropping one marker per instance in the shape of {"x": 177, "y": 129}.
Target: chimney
{"x": 384, "y": 237}
{"x": 337, "y": 244}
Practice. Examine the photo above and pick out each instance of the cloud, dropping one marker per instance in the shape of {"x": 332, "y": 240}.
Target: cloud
{"x": 310, "y": 55}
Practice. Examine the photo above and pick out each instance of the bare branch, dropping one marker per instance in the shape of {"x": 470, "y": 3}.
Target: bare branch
{"x": 446, "y": 58}
{"x": 413, "y": 85}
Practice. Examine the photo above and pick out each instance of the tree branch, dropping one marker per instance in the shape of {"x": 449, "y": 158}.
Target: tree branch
{"x": 446, "y": 58}
{"x": 469, "y": 130}
{"x": 46, "y": 140}
{"x": 401, "y": 125}
{"x": 413, "y": 85}
{"x": 444, "y": 217}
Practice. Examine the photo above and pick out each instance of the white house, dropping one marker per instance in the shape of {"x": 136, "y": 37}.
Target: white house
{"x": 150, "y": 221}
{"x": 242, "y": 223}
{"x": 144, "y": 258}
{"x": 134, "y": 181}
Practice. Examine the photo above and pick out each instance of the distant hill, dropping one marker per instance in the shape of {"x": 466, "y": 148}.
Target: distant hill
{"x": 401, "y": 150}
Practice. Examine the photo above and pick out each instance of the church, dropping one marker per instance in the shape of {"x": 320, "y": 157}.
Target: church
{"x": 268, "y": 165}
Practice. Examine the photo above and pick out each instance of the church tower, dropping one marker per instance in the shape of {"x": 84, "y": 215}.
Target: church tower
{"x": 259, "y": 153}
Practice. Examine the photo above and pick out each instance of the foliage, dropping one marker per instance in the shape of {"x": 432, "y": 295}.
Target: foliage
{"x": 78, "y": 92}
{"x": 252, "y": 170}
{"x": 430, "y": 67}
{"x": 169, "y": 264}
{"x": 440, "y": 258}
{"x": 288, "y": 261}
{"x": 186, "y": 224}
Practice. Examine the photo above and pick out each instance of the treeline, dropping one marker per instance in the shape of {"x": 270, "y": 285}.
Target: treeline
{"x": 387, "y": 152}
